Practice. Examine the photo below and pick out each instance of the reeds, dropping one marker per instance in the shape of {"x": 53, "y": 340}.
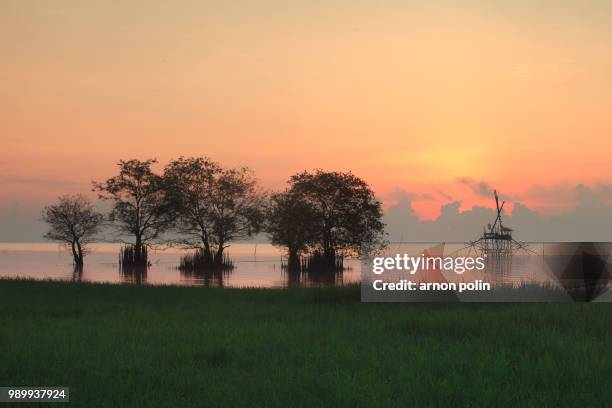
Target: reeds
{"x": 131, "y": 256}
{"x": 320, "y": 262}
{"x": 133, "y": 264}
{"x": 316, "y": 262}
{"x": 202, "y": 260}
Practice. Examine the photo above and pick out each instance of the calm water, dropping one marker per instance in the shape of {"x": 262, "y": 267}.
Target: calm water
{"x": 255, "y": 266}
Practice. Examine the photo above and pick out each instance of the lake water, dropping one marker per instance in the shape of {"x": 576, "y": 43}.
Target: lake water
{"x": 255, "y": 266}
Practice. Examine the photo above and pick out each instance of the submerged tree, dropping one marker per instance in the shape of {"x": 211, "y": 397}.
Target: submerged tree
{"x": 346, "y": 218}
{"x": 190, "y": 182}
{"x": 291, "y": 222}
{"x": 74, "y": 222}
{"x": 215, "y": 206}
{"x": 140, "y": 206}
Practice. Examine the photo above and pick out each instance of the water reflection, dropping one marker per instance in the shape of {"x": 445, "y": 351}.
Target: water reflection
{"x": 77, "y": 273}
{"x": 49, "y": 261}
{"x": 298, "y": 278}
{"x": 205, "y": 277}
{"x": 260, "y": 269}
{"x": 133, "y": 274}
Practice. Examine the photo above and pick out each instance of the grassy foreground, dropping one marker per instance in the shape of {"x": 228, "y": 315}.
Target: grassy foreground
{"x": 172, "y": 346}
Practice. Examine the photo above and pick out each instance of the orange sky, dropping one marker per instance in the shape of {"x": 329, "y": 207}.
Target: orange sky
{"x": 407, "y": 96}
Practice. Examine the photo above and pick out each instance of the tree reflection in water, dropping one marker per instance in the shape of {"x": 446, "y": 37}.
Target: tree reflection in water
{"x": 206, "y": 277}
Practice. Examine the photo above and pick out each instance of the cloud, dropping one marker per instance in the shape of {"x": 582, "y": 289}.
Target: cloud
{"x": 480, "y": 188}
{"x": 400, "y": 195}
{"x": 442, "y": 194}
{"x": 483, "y": 189}
{"x": 589, "y": 219}
{"x": 601, "y": 193}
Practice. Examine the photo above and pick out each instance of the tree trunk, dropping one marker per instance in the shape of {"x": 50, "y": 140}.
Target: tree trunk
{"x": 138, "y": 252}
{"x": 293, "y": 263}
{"x": 219, "y": 254}
{"x": 138, "y": 244}
{"x": 80, "y": 253}
{"x": 329, "y": 252}
{"x": 208, "y": 257}
{"x": 78, "y": 260}
{"x": 327, "y": 246}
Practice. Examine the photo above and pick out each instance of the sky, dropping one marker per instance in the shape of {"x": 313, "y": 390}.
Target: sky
{"x": 432, "y": 103}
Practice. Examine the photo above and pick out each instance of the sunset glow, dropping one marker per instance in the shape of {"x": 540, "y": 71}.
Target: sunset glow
{"x": 410, "y": 97}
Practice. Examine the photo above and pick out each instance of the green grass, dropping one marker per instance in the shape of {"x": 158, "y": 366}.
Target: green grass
{"x": 170, "y": 346}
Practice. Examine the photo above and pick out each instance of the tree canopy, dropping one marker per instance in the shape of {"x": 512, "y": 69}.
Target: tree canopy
{"x": 206, "y": 206}
{"x": 215, "y": 205}
{"x": 73, "y": 221}
{"x": 291, "y": 223}
{"x": 140, "y": 206}
{"x": 339, "y": 213}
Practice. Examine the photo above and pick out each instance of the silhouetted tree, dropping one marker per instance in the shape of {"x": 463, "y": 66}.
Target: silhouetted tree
{"x": 215, "y": 205}
{"x": 291, "y": 223}
{"x": 348, "y": 218}
{"x": 190, "y": 182}
{"x": 74, "y": 222}
{"x": 140, "y": 206}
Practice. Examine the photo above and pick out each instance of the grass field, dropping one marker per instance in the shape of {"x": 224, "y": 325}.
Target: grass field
{"x": 171, "y": 346}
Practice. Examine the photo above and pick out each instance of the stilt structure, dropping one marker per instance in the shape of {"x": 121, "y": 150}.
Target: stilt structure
{"x": 496, "y": 240}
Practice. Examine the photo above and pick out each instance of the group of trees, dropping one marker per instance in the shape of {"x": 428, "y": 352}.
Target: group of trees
{"x": 326, "y": 214}
{"x": 205, "y": 206}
